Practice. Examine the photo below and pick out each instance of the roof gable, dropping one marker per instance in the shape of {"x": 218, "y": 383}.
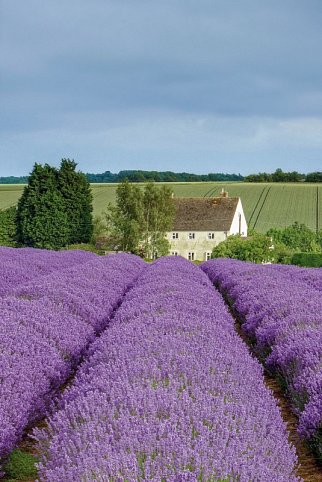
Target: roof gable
{"x": 204, "y": 214}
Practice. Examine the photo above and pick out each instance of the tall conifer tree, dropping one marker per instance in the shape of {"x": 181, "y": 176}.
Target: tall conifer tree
{"x": 55, "y": 208}
{"x": 78, "y": 198}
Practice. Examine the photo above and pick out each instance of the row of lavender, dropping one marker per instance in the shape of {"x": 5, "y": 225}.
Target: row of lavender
{"x": 169, "y": 392}
{"x": 45, "y": 326}
{"x": 18, "y": 266}
{"x": 281, "y": 312}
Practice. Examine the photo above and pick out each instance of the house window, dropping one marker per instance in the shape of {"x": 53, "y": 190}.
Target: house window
{"x": 225, "y": 234}
{"x": 175, "y": 235}
{"x": 207, "y": 255}
{"x": 211, "y": 235}
{"x": 191, "y": 235}
{"x": 174, "y": 253}
{"x": 191, "y": 256}
{"x": 239, "y": 223}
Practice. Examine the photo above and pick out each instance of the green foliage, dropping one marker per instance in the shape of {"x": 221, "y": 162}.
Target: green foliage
{"x": 20, "y": 466}
{"x": 39, "y": 197}
{"x": 125, "y": 219}
{"x": 100, "y": 236}
{"x": 314, "y": 177}
{"x": 158, "y": 212}
{"x": 319, "y": 240}
{"x": 309, "y": 260}
{"x": 8, "y": 226}
{"x": 277, "y": 176}
{"x": 316, "y": 445}
{"x": 140, "y": 219}
{"x": 14, "y": 180}
{"x": 77, "y": 195}
{"x": 297, "y": 237}
{"x": 159, "y": 176}
{"x": 256, "y": 249}
{"x": 55, "y": 207}
{"x": 282, "y": 254}
{"x": 50, "y": 225}
{"x": 84, "y": 247}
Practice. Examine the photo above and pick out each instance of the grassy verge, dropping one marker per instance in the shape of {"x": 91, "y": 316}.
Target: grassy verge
{"x": 20, "y": 467}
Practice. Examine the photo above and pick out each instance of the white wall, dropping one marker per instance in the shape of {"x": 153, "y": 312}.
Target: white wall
{"x": 200, "y": 245}
{"x": 234, "y": 228}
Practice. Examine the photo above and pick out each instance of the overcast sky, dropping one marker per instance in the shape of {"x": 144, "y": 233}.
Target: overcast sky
{"x": 184, "y": 85}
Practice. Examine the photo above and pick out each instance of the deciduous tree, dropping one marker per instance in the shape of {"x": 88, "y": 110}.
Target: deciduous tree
{"x": 256, "y": 249}
{"x": 140, "y": 219}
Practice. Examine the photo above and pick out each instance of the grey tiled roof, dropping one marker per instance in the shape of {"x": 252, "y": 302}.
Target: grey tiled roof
{"x": 204, "y": 214}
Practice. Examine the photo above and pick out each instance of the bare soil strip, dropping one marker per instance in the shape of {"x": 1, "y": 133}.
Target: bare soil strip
{"x": 308, "y": 468}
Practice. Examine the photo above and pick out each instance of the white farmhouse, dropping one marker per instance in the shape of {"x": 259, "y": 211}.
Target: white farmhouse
{"x": 202, "y": 223}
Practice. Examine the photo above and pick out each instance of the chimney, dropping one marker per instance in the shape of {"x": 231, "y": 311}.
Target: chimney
{"x": 223, "y": 193}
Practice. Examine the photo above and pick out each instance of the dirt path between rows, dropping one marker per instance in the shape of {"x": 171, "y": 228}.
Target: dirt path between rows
{"x": 308, "y": 469}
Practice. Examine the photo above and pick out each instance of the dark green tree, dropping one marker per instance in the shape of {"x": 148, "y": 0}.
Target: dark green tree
{"x": 77, "y": 195}
{"x": 50, "y": 223}
{"x": 55, "y": 208}
{"x": 8, "y": 226}
{"x": 39, "y": 203}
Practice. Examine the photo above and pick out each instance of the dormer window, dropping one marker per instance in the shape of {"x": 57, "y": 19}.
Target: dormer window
{"x": 191, "y": 236}
{"x": 175, "y": 235}
{"x": 211, "y": 235}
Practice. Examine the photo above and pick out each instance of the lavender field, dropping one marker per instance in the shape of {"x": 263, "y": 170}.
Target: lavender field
{"x": 280, "y": 308}
{"x": 53, "y": 305}
{"x": 160, "y": 385}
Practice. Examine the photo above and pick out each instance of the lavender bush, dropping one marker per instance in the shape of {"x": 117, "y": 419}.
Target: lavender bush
{"x": 169, "y": 392}
{"x": 19, "y": 266}
{"x": 281, "y": 311}
{"x": 45, "y": 326}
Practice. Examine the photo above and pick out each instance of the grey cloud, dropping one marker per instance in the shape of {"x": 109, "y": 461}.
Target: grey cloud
{"x": 107, "y": 61}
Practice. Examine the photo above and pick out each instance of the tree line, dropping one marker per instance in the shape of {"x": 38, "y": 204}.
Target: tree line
{"x": 281, "y": 176}
{"x": 169, "y": 176}
{"x": 160, "y": 176}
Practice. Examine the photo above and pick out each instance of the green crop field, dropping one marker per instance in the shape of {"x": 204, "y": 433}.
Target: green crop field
{"x": 266, "y": 205}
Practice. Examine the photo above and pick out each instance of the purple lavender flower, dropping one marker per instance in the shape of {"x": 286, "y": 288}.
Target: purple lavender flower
{"x": 47, "y": 323}
{"x": 281, "y": 310}
{"x": 168, "y": 392}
